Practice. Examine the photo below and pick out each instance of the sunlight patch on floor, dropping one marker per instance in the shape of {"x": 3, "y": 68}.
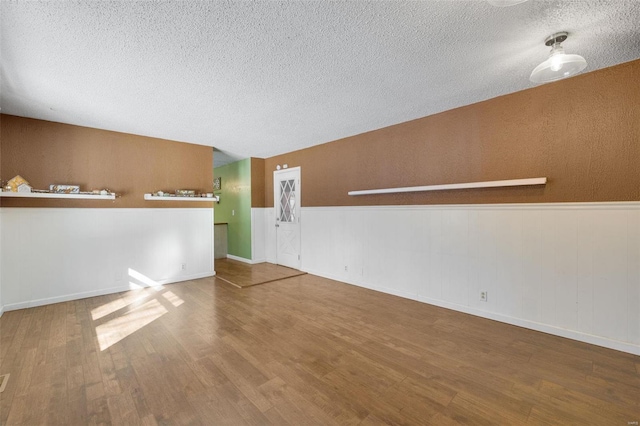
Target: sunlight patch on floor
{"x": 115, "y": 305}
{"x": 173, "y": 298}
{"x": 117, "y": 329}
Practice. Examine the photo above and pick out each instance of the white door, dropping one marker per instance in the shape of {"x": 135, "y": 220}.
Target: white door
{"x": 286, "y": 200}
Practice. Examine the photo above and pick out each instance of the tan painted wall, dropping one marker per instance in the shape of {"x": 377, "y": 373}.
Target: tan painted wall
{"x": 257, "y": 182}
{"x": 582, "y": 133}
{"x": 47, "y": 153}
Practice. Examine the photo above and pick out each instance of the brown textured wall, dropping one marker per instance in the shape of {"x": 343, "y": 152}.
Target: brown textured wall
{"x": 45, "y": 153}
{"x": 582, "y": 133}
{"x": 257, "y": 182}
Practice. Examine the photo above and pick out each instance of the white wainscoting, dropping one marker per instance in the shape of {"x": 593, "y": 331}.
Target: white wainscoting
{"x": 567, "y": 269}
{"x": 258, "y": 235}
{"x": 51, "y": 255}
{"x": 241, "y": 259}
{"x": 270, "y": 227}
{"x": 1, "y": 304}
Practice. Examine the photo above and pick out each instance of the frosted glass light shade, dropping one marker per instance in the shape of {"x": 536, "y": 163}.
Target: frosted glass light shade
{"x": 559, "y": 65}
{"x": 504, "y": 3}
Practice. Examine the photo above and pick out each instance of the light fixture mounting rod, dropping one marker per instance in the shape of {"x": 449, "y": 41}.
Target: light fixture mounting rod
{"x": 556, "y": 38}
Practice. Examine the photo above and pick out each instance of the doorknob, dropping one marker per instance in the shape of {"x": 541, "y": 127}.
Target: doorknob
{"x": 277, "y": 226}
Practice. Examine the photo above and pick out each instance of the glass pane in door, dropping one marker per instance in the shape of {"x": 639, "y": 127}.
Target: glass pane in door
{"x": 287, "y": 201}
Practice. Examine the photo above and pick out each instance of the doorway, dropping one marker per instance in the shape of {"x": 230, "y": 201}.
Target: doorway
{"x": 286, "y": 200}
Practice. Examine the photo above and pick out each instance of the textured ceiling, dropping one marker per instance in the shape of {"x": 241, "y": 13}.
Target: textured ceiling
{"x": 263, "y": 78}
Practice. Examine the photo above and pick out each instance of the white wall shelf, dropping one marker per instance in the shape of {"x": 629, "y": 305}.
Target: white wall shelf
{"x": 469, "y": 185}
{"x": 151, "y": 197}
{"x": 56, "y": 195}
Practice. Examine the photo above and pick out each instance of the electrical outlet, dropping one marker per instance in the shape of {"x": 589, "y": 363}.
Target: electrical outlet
{"x": 483, "y": 296}
{"x": 233, "y": 212}
{"x": 346, "y": 268}
{"x": 183, "y": 267}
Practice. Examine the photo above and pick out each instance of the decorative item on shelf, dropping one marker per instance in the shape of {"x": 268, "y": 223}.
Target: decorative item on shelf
{"x": 180, "y": 195}
{"x": 100, "y": 192}
{"x": 65, "y": 189}
{"x": 18, "y": 184}
{"x": 103, "y": 194}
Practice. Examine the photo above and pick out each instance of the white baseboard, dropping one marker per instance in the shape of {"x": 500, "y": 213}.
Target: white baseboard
{"x": 556, "y": 331}
{"x": 186, "y": 278}
{"x": 1, "y": 310}
{"x": 101, "y": 292}
{"x": 242, "y": 259}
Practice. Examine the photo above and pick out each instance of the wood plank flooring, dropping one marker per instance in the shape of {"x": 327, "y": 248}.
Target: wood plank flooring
{"x": 244, "y": 275}
{"x": 300, "y": 351}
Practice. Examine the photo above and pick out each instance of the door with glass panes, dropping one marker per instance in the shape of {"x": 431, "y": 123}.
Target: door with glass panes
{"x": 286, "y": 197}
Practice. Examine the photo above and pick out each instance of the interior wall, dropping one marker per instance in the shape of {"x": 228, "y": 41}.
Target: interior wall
{"x": 257, "y": 182}
{"x": 258, "y": 235}
{"x": 52, "y": 255}
{"x": 1, "y": 302}
{"x": 566, "y": 269}
{"x": 47, "y": 153}
{"x": 234, "y": 207}
{"x": 581, "y": 133}
{"x": 55, "y": 249}
{"x": 562, "y": 258}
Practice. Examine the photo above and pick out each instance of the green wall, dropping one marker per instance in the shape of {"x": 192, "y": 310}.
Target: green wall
{"x": 235, "y": 197}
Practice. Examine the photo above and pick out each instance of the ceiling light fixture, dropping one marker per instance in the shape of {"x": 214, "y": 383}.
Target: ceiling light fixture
{"x": 559, "y": 65}
{"x": 505, "y": 3}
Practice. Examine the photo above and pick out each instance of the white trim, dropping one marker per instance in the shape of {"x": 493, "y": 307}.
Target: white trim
{"x": 56, "y": 195}
{"x": 556, "y": 331}
{"x": 503, "y": 206}
{"x": 151, "y": 197}
{"x": 241, "y": 259}
{"x": 102, "y": 292}
{"x": 449, "y": 186}
{"x": 110, "y": 209}
{"x": 1, "y": 310}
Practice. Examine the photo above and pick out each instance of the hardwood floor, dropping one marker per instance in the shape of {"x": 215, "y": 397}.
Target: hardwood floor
{"x": 244, "y": 275}
{"x": 300, "y": 351}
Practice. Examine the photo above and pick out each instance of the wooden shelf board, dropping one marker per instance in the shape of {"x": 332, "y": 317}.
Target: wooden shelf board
{"x": 54, "y": 195}
{"x": 469, "y": 185}
{"x": 151, "y": 197}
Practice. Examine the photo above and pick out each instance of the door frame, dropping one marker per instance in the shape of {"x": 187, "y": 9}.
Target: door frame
{"x": 276, "y": 206}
